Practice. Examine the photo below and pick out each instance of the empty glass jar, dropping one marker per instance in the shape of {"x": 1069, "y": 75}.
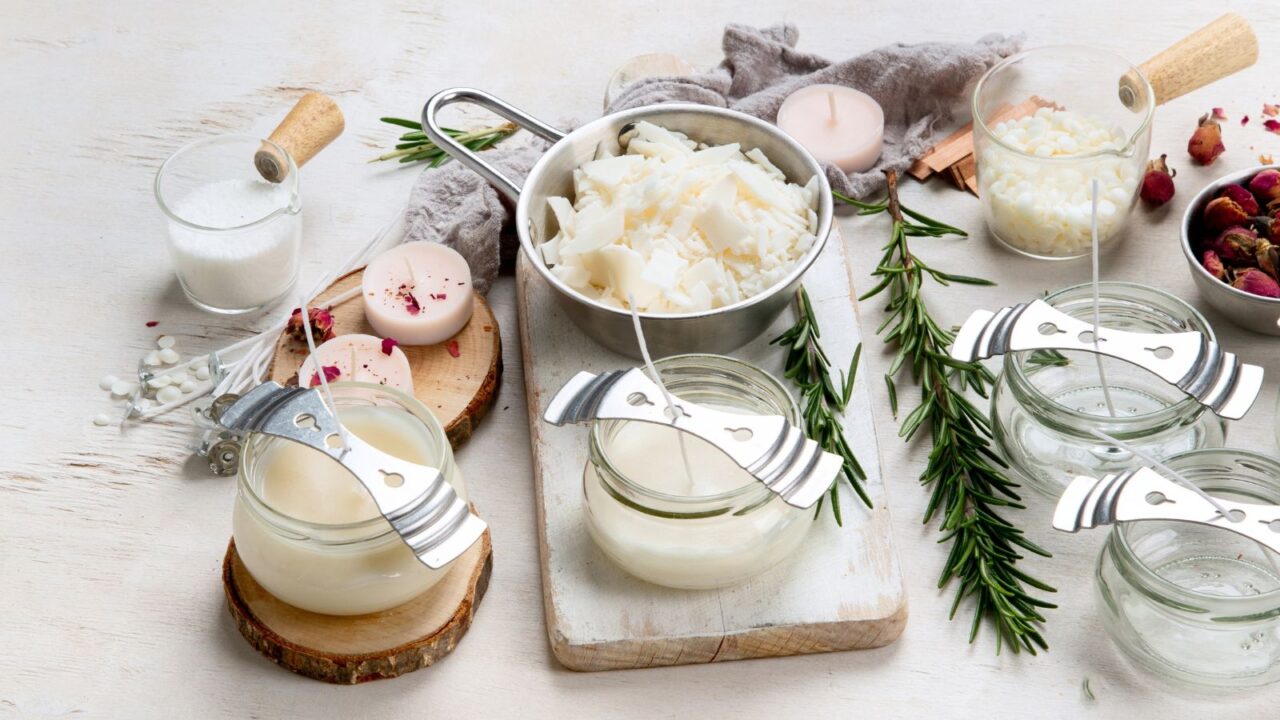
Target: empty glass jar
{"x": 674, "y": 510}
{"x": 1193, "y": 602}
{"x": 1046, "y": 406}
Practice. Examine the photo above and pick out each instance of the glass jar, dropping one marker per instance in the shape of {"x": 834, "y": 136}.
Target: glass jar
{"x": 233, "y": 237}
{"x": 1193, "y": 602}
{"x": 705, "y": 525}
{"x": 1045, "y": 406}
{"x": 1035, "y": 174}
{"x": 309, "y": 532}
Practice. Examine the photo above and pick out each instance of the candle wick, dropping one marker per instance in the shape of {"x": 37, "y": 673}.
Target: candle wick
{"x": 413, "y": 280}
{"x": 353, "y": 362}
{"x": 831, "y": 105}
{"x": 1097, "y": 303}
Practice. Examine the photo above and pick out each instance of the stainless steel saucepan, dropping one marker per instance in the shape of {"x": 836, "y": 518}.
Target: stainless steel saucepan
{"x": 713, "y": 331}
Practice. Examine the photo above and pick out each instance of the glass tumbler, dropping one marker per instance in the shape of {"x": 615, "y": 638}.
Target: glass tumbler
{"x": 1035, "y": 175}
{"x": 233, "y": 237}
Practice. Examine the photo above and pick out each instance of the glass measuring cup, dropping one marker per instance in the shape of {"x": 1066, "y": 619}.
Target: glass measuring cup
{"x": 233, "y": 237}
{"x": 1047, "y": 122}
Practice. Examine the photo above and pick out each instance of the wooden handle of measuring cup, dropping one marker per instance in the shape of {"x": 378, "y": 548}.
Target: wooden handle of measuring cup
{"x": 312, "y": 124}
{"x": 1211, "y": 53}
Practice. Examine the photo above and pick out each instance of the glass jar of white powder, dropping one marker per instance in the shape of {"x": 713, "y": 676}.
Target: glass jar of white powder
{"x": 233, "y": 237}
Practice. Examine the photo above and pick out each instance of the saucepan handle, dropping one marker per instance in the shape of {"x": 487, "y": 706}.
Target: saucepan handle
{"x": 472, "y": 159}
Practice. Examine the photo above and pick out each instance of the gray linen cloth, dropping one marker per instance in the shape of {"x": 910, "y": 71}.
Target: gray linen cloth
{"x": 919, "y": 87}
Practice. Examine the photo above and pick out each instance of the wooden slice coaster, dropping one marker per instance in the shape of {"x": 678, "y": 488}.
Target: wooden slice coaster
{"x": 459, "y": 390}
{"x": 360, "y": 648}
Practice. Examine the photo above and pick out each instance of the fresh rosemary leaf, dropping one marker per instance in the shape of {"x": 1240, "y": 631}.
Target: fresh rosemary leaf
{"x": 415, "y": 147}
{"x": 965, "y": 477}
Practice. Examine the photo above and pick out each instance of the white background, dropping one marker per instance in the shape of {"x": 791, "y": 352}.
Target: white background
{"x": 110, "y": 544}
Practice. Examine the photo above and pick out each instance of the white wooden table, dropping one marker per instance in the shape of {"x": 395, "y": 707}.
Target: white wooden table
{"x": 110, "y": 544}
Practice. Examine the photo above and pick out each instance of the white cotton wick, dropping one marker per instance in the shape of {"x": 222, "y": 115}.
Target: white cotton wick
{"x": 324, "y": 381}
{"x": 831, "y": 105}
{"x": 666, "y": 394}
{"x": 1097, "y": 303}
{"x": 1164, "y": 469}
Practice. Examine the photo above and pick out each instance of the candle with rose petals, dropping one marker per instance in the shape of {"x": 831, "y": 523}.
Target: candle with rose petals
{"x": 418, "y": 293}
{"x": 838, "y": 125}
{"x": 359, "y": 358}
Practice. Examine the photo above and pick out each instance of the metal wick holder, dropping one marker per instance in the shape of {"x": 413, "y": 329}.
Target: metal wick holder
{"x": 1144, "y": 494}
{"x": 773, "y": 450}
{"x": 1188, "y": 360}
{"x": 416, "y": 500}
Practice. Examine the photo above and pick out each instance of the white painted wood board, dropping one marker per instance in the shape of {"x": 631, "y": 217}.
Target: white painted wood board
{"x": 842, "y": 590}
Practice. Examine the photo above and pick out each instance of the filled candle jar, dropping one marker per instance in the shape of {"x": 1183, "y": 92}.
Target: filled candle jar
{"x": 1046, "y": 406}
{"x": 672, "y": 509}
{"x": 309, "y": 532}
{"x": 1197, "y": 603}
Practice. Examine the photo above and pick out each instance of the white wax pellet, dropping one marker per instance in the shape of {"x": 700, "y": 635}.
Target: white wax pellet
{"x": 170, "y": 356}
{"x": 101, "y": 419}
{"x": 152, "y": 359}
{"x": 121, "y": 388}
{"x": 107, "y": 381}
{"x": 165, "y": 342}
{"x": 160, "y": 381}
{"x": 168, "y": 394}
{"x": 179, "y": 377}
{"x": 144, "y": 404}
{"x": 202, "y": 373}
{"x": 188, "y": 386}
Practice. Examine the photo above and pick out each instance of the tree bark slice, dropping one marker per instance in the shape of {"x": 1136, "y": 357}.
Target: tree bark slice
{"x": 459, "y": 390}
{"x": 360, "y": 648}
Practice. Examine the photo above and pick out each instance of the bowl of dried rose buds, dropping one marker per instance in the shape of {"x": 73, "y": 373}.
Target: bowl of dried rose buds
{"x": 1231, "y": 237}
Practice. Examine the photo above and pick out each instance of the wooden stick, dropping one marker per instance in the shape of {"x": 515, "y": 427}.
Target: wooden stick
{"x": 1211, "y": 53}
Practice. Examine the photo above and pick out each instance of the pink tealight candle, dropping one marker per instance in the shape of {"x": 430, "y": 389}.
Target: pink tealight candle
{"x": 839, "y": 125}
{"x": 418, "y": 293}
{"x": 359, "y": 358}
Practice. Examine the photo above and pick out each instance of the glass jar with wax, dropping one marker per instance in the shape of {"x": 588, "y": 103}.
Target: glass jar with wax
{"x": 704, "y": 523}
{"x": 1195, "y": 602}
{"x": 309, "y": 532}
{"x": 1047, "y": 406}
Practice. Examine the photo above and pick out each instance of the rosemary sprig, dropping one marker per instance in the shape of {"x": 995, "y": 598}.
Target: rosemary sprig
{"x": 414, "y": 146}
{"x": 966, "y": 476}
{"x": 823, "y": 401}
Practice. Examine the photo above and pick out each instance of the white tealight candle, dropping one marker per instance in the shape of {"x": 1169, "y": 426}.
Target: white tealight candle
{"x": 359, "y": 358}
{"x": 838, "y": 125}
{"x": 418, "y": 293}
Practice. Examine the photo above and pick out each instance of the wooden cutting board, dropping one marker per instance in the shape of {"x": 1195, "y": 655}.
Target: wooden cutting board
{"x": 842, "y": 591}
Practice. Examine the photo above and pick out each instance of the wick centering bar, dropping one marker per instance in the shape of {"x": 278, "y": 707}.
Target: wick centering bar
{"x": 417, "y": 500}
{"x": 1188, "y": 360}
{"x": 768, "y": 447}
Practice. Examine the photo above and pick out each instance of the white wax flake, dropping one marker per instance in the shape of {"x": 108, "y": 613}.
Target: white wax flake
{"x": 123, "y": 388}
{"x": 152, "y": 359}
{"x": 188, "y": 386}
{"x": 164, "y": 342}
{"x": 679, "y": 226}
{"x": 169, "y": 394}
{"x": 202, "y": 373}
{"x": 107, "y": 381}
{"x": 101, "y": 419}
{"x": 169, "y": 356}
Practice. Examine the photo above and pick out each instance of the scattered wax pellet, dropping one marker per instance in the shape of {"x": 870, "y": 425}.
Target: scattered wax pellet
{"x": 179, "y": 377}
{"x": 121, "y": 388}
{"x": 144, "y": 404}
{"x": 164, "y": 342}
{"x": 107, "y": 381}
{"x": 160, "y": 381}
{"x": 202, "y": 373}
{"x": 152, "y": 359}
{"x": 170, "y": 356}
{"x": 168, "y": 394}
{"x": 187, "y": 386}
{"x": 101, "y": 419}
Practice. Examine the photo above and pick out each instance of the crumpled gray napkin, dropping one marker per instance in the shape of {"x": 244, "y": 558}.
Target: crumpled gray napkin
{"x": 919, "y": 87}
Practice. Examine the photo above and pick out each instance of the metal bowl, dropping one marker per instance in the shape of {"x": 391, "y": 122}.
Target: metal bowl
{"x": 1249, "y": 311}
{"x": 714, "y": 331}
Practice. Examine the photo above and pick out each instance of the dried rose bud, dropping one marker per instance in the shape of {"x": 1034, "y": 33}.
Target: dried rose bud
{"x": 1245, "y": 199}
{"x": 1266, "y": 185}
{"x": 1268, "y": 258}
{"x": 321, "y": 325}
{"x": 1213, "y": 264}
{"x": 389, "y": 344}
{"x": 1224, "y": 212}
{"x": 1157, "y": 184}
{"x": 1206, "y": 142}
{"x": 1256, "y": 282}
{"x": 1236, "y": 245}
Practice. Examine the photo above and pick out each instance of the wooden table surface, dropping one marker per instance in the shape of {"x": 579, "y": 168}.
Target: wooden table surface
{"x": 109, "y": 572}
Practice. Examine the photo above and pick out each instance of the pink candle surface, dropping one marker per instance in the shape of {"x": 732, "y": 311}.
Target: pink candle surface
{"x": 839, "y": 125}
{"x": 359, "y": 358}
{"x": 418, "y": 293}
